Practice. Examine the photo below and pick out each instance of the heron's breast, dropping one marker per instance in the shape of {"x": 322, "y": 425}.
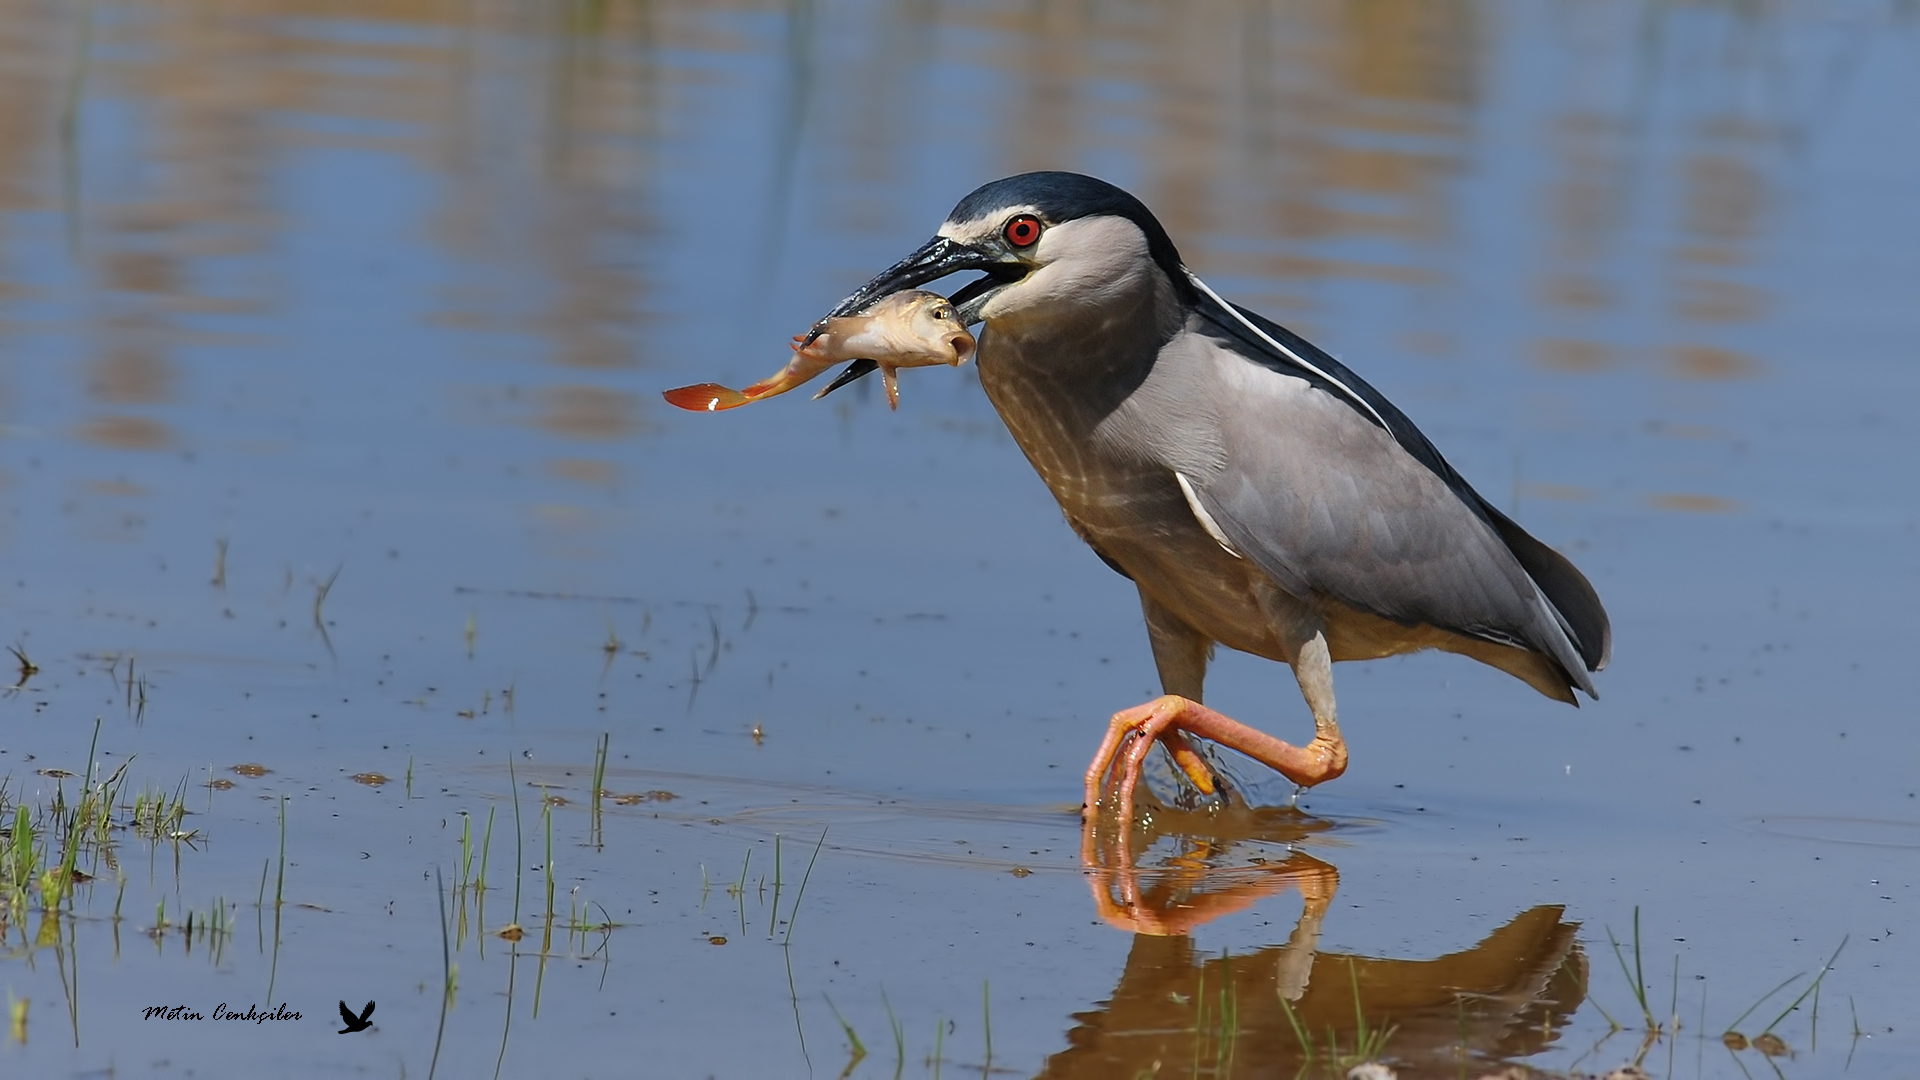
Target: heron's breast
{"x": 1121, "y": 496}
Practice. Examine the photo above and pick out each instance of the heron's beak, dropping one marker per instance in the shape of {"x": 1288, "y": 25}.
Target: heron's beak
{"x": 936, "y": 259}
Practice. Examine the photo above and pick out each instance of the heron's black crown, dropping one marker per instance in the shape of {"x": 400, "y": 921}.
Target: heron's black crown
{"x": 1063, "y": 196}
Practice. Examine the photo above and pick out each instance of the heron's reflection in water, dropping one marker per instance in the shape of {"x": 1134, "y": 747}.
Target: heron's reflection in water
{"x": 1242, "y": 1015}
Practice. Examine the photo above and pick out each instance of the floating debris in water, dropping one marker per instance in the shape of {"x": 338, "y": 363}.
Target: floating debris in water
{"x": 634, "y": 798}
{"x": 28, "y": 669}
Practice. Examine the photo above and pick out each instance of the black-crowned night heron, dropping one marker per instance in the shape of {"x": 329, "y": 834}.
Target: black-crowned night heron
{"x": 1259, "y": 494}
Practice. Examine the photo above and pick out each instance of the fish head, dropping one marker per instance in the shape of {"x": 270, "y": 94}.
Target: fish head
{"x": 937, "y": 321}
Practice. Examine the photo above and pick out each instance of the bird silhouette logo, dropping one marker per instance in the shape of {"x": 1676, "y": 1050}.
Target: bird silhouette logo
{"x": 355, "y": 1023}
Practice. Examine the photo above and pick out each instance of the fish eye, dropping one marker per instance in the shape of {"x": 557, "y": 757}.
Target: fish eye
{"x": 1022, "y": 231}
{"x": 943, "y": 312}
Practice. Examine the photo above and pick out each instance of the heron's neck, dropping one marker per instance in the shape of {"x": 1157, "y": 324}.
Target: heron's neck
{"x": 1077, "y": 356}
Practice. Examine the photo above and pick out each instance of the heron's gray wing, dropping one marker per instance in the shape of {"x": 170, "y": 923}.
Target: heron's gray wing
{"x": 1331, "y": 503}
{"x": 1264, "y": 342}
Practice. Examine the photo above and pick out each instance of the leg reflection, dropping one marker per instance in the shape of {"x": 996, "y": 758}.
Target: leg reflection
{"x": 1504, "y": 998}
{"x": 1194, "y": 885}
{"x": 1175, "y": 899}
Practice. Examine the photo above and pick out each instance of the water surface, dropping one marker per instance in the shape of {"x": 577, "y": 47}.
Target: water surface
{"x": 331, "y": 338}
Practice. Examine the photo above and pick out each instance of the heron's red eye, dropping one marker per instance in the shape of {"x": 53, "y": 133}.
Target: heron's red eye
{"x": 1023, "y": 231}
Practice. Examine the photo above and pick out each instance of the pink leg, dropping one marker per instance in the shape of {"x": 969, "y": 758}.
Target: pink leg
{"x": 1185, "y": 757}
{"x": 1131, "y": 735}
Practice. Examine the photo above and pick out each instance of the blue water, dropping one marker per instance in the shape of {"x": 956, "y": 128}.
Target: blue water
{"x": 386, "y": 297}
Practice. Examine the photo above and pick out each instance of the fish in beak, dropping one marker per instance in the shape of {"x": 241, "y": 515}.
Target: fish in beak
{"x": 903, "y": 328}
{"x": 935, "y": 259}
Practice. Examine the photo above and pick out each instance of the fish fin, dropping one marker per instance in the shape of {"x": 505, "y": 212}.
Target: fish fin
{"x": 704, "y": 397}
